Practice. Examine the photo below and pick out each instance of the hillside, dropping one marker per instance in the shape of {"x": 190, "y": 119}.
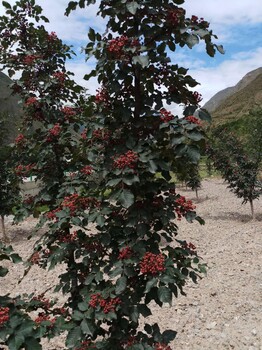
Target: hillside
{"x": 236, "y": 101}
{"x": 10, "y": 109}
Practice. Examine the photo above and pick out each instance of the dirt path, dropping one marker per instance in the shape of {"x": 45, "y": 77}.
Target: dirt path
{"x": 224, "y": 310}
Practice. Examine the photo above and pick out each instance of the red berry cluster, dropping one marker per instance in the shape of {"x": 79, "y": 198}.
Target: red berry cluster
{"x": 35, "y": 258}
{"x": 20, "y": 140}
{"x": 193, "y": 120}
{"x": 125, "y": 253}
{"x": 107, "y": 305}
{"x": 152, "y": 264}
{"x": 42, "y": 317}
{"x": 4, "y": 315}
{"x": 68, "y": 112}
{"x": 51, "y": 215}
{"x": 87, "y": 170}
{"x": 127, "y": 160}
{"x": 162, "y": 346}
{"x": 52, "y": 36}
{"x": 101, "y": 134}
{"x": 74, "y": 202}
{"x": 32, "y": 101}
{"x": 183, "y": 206}
{"x": 190, "y": 246}
{"x": 197, "y": 97}
{"x": 60, "y": 77}
{"x": 166, "y": 116}
{"x": 29, "y": 199}
{"x": 67, "y": 237}
{"x": 195, "y": 20}
{"x": 102, "y": 96}
{"x": 53, "y": 132}
{"x": 86, "y": 345}
{"x": 30, "y": 59}
{"x": 116, "y": 46}
{"x": 44, "y": 303}
{"x": 83, "y": 134}
{"x": 174, "y": 16}
{"x": 23, "y": 170}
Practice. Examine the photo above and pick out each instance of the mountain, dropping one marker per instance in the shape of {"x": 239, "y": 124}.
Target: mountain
{"x": 10, "y": 110}
{"x": 238, "y": 100}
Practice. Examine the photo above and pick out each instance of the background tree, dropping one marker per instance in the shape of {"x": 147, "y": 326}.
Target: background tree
{"x": 238, "y": 167}
{"x": 102, "y": 206}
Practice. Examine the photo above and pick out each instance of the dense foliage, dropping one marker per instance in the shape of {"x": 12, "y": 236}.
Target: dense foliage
{"x": 108, "y": 218}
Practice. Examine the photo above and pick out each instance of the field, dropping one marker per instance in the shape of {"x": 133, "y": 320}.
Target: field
{"x": 222, "y": 311}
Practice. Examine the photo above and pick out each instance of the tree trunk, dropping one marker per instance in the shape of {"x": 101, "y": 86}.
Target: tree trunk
{"x": 252, "y": 209}
{"x": 3, "y": 228}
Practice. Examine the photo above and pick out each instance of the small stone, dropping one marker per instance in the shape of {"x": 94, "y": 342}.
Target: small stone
{"x": 211, "y": 325}
{"x": 254, "y": 332}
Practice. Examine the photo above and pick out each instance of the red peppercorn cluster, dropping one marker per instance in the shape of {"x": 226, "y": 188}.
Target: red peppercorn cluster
{"x": 29, "y": 199}
{"x": 67, "y": 237}
{"x": 174, "y": 16}
{"x": 20, "y": 139}
{"x": 52, "y": 36}
{"x": 74, "y": 202}
{"x": 68, "y": 111}
{"x": 152, "y": 264}
{"x": 162, "y": 346}
{"x": 94, "y": 247}
{"x": 87, "y": 170}
{"x": 51, "y": 215}
{"x": 23, "y": 170}
{"x": 60, "y": 77}
{"x": 127, "y": 160}
{"x": 30, "y": 59}
{"x": 166, "y": 116}
{"x": 193, "y": 120}
{"x": 54, "y": 132}
{"x": 195, "y": 20}
{"x": 125, "y": 253}
{"x": 116, "y": 46}
{"x": 86, "y": 345}
{"x": 190, "y": 246}
{"x": 102, "y": 97}
{"x": 35, "y": 258}
{"x": 44, "y": 303}
{"x": 197, "y": 97}
{"x": 31, "y": 101}
{"x": 44, "y": 317}
{"x": 107, "y": 305}
{"x": 101, "y": 134}
{"x": 183, "y": 206}
{"x": 4, "y": 315}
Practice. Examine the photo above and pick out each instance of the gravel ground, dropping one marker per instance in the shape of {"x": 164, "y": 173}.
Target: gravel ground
{"x": 222, "y": 311}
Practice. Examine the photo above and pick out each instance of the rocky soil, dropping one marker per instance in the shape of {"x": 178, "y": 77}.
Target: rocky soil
{"x": 222, "y": 311}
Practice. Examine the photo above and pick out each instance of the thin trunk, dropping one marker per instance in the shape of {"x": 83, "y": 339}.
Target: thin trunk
{"x": 3, "y": 228}
{"x": 252, "y": 209}
{"x": 196, "y": 194}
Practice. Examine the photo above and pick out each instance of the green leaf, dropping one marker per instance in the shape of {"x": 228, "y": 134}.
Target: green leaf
{"x": 73, "y": 337}
{"x": 120, "y": 285}
{"x": 168, "y": 336}
{"x": 220, "y": 49}
{"x": 126, "y": 198}
{"x": 132, "y": 7}
{"x": 3, "y": 271}
{"x": 150, "y": 284}
{"x": 164, "y": 294}
{"x": 142, "y": 60}
{"x": 32, "y": 344}
{"x": 134, "y": 314}
{"x": 15, "y": 342}
{"x": 92, "y": 34}
{"x": 83, "y": 306}
{"x": 113, "y": 182}
{"x": 191, "y": 40}
{"x": 6, "y": 4}
{"x": 195, "y": 135}
{"x": 204, "y": 115}
{"x": 87, "y": 327}
{"x": 193, "y": 153}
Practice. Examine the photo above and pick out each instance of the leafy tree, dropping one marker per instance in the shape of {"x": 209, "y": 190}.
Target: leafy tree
{"x": 103, "y": 208}
{"x": 194, "y": 179}
{"x": 9, "y": 186}
{"x": 237, "y": 168}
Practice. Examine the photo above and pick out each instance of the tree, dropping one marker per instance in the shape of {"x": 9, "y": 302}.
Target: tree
{"x": 9, "y": 183}
{"x": 103, "y": 207}
{"x": 239, "y": 169}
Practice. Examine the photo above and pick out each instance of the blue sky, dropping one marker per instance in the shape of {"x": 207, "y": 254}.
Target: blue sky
{"x": 237, "y": 23}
